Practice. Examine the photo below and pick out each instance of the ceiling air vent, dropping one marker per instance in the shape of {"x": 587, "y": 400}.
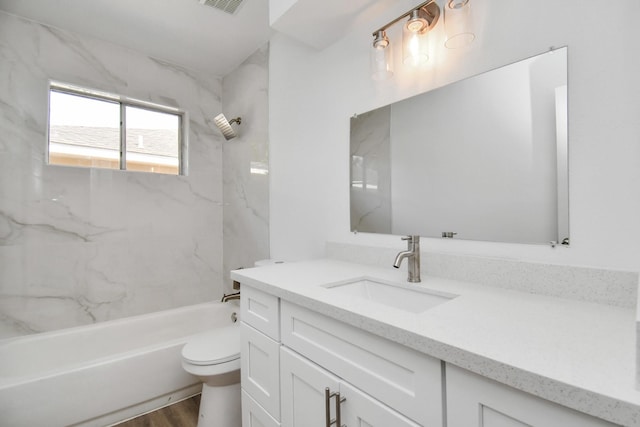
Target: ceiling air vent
{"x": 229, "y": 6}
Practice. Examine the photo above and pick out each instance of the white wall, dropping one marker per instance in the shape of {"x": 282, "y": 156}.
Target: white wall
{"x": 313, "y": 94}
{"x": 278, "y": 7}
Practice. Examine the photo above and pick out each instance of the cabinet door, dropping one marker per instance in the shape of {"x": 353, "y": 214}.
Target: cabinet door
{"x": 260, "y": 364}
{"x": 361, "y": 410}
{"x": 254, "y": 415}
{"x": 476, "y": 401}
{"x": 302, "y": 385}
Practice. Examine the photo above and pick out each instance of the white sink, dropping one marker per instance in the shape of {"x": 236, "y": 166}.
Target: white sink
{"x": 404, "y": 297}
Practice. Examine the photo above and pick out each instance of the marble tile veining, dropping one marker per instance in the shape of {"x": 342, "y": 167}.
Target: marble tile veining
{"x": 246, "y": 165}
{"x": 81, "y": 245}
{"x": 370, "y": 191}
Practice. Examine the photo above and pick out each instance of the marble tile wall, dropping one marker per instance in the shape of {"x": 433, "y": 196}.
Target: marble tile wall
{"x": 84, "y": 245}
{"x": 246, "y": 165}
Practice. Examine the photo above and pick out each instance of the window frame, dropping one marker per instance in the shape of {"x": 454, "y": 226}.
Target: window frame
{"x": 123, "y": 102}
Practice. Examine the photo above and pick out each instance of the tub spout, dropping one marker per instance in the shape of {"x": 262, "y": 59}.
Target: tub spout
{"x": 229, "y": 297}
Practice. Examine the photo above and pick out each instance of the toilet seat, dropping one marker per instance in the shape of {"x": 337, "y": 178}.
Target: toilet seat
{"x": 220, "y": 345}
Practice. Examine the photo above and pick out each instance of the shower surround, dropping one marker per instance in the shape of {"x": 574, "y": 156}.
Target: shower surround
{"x": 77, "y": 245}
{"x": 246, "y": 165}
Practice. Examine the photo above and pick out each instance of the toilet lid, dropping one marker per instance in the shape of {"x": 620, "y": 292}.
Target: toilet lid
{"x": 219, "y": 345}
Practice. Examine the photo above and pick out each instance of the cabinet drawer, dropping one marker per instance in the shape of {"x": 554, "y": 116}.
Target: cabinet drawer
{"x": 254, "y": 415}
{"x": 261, "y": 311}
{"x": 260, "y": 363}
{"x": 402, "y": 378}
{"x": 473, "y": 400}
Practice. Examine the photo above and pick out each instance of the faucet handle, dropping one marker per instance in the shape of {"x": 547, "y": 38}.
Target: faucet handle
{"x": 411, "y": 238}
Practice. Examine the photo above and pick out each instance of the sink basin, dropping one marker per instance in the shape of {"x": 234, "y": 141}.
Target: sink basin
{"x": 392, "y": 295}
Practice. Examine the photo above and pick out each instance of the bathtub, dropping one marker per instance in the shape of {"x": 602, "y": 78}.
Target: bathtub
{"x": 101, "y": 374}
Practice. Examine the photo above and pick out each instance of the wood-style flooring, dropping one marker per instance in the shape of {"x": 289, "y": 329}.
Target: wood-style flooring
{"x": 181, "y": 414}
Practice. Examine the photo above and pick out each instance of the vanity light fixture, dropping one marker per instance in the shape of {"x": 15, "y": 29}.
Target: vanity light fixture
{"x": 414, "y": 35}
{"x": 458, "y": 24}
{"x": 421, "y": 20}
{"x": 381, "y": 57}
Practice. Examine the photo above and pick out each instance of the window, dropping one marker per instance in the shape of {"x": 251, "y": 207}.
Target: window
{"x": 94, "y": 129}
{"x": 364, "y": 172}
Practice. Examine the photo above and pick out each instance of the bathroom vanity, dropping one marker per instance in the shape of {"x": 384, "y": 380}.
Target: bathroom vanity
{"x": 328, "y": 339}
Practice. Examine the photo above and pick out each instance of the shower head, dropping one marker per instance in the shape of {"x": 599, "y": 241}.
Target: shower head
{"x": 225, "y": 125}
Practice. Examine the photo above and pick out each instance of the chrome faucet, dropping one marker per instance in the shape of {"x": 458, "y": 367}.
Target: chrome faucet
{"x": 229, "y": 297}
{"x": 413, "y": 255}
{"x": 234, "y": 295}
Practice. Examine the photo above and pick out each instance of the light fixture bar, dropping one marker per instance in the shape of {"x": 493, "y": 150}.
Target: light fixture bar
{"x": 430, "y": 8}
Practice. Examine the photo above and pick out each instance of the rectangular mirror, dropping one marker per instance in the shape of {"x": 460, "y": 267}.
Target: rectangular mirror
{"x": 485, "y": 158}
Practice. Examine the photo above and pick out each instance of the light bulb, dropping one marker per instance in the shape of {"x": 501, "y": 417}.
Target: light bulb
{"x": 415, "y": 47}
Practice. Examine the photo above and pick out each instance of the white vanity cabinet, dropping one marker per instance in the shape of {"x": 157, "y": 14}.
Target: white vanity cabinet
{"x": 291, "y": 355}
{"x": 473, "y": 400}
{"x": 260, "y": 358}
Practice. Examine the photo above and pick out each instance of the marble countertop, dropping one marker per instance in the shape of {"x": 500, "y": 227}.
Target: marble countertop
{"x": 577, "y": 354}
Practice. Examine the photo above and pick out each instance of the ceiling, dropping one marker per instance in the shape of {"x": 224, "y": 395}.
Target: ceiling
{"x": 182, "y": 32}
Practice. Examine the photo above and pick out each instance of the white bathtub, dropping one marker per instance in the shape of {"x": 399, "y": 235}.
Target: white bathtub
{"x": 101, "y": 374}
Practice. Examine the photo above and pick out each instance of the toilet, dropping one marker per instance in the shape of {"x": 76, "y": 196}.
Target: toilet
{"x": 214, "y": 357}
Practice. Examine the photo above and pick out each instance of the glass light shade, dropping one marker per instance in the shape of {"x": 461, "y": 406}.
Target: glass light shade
{"x": 415, "y": 47}
{"x": 381, "y": 60}
{"x": 458, "y": 24}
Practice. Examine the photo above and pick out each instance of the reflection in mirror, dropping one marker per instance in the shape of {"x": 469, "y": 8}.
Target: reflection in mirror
{"x": 484, "y": 158}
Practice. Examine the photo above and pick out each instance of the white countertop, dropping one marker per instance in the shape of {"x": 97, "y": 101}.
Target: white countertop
{"x": 578, "y": 354}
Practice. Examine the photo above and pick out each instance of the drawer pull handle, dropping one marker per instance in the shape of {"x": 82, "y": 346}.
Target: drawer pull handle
{"x": 327, "y": 408}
